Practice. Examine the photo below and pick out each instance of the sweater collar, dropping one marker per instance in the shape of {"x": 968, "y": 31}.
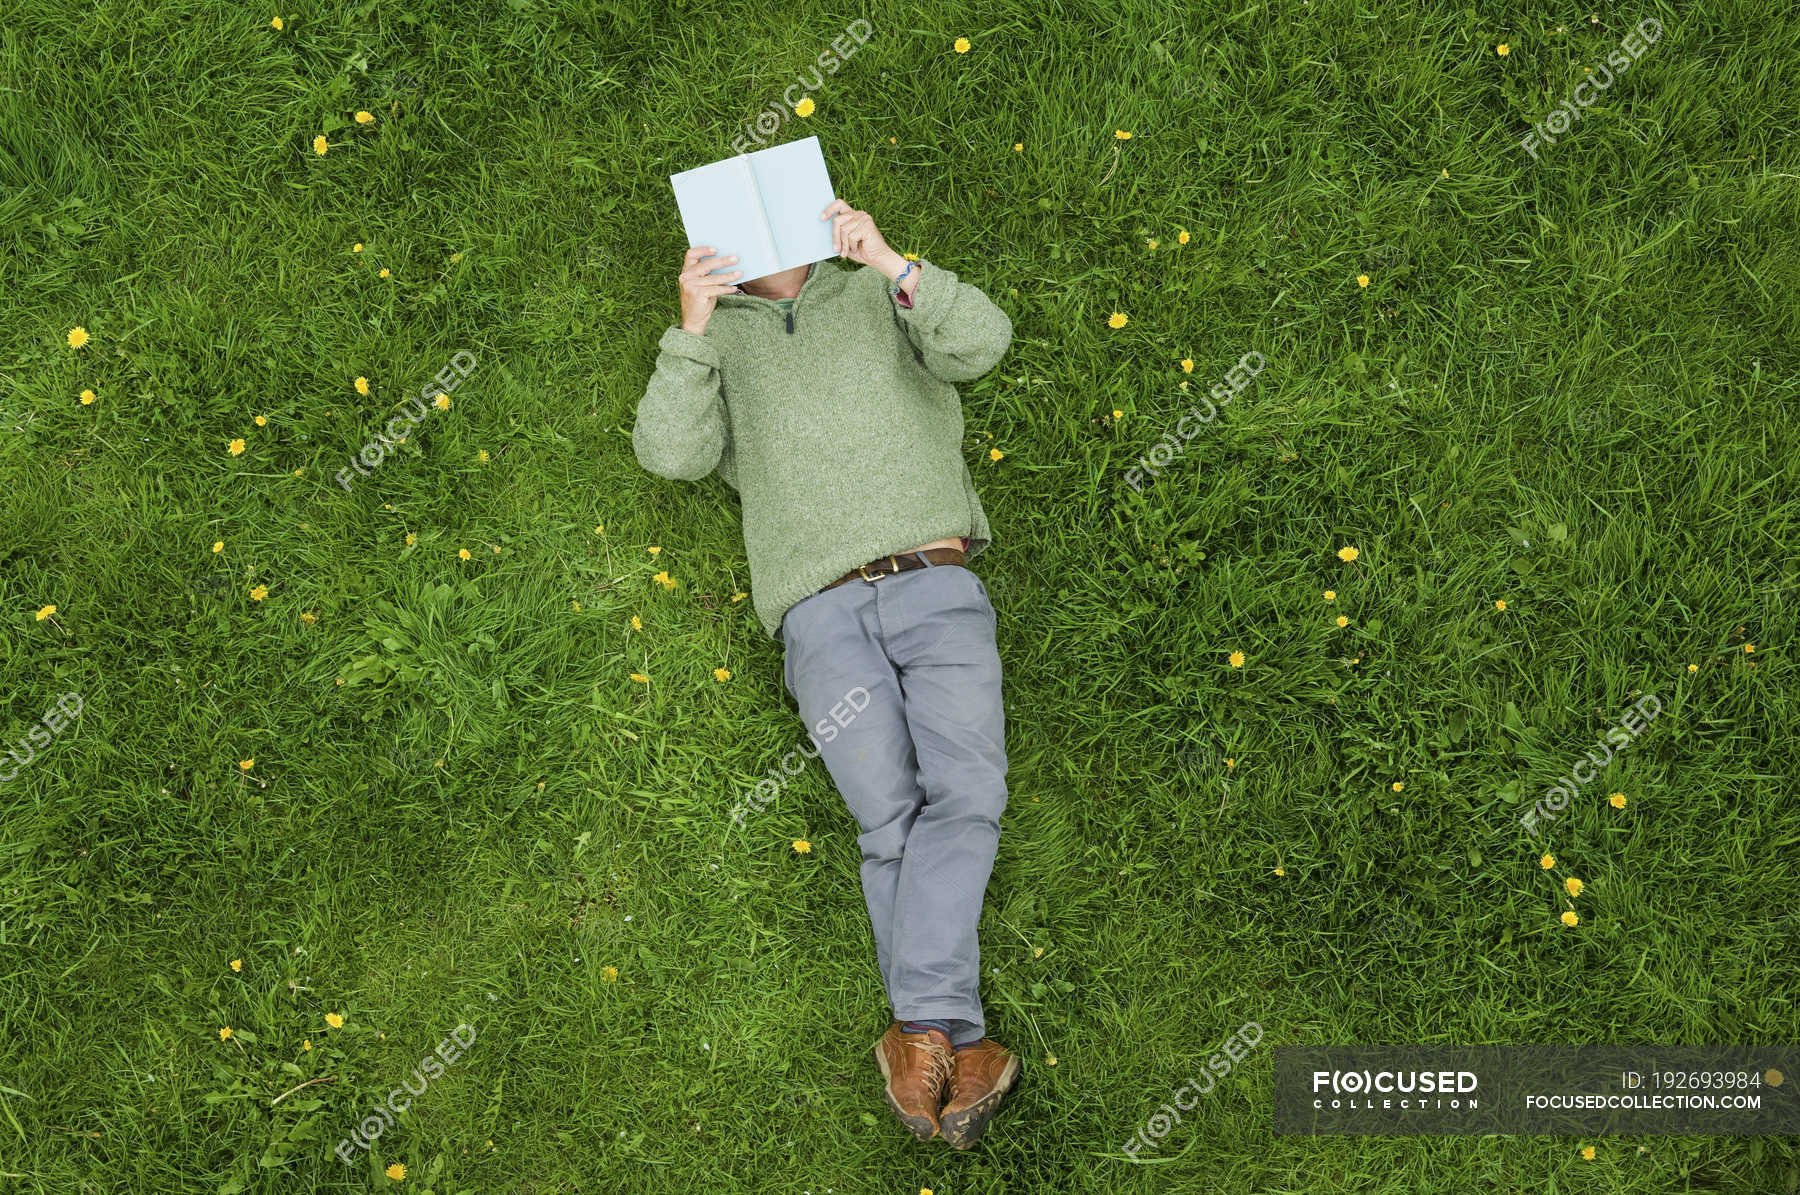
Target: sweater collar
{"x": 826, "y": 278}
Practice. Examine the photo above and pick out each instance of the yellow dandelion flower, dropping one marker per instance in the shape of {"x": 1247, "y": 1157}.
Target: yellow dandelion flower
{"x": 462, "y": 554}
{"x": 1331, "y": 595}
{"x": 46, "y": 612}
{"x": 1570, "y": 919}
{"x": 805, "y": 107}
{"x": 356, "y": 248}
{"x": 1122, "y": 134}
{"x": 235, "y": 448}
{"x": 1547, "y": 862}
{"x": 237, "y": 964}
{"x": 802, "y": 847}
{"x": 637, "y": 624}
{"x": 308, "y": 618}
{"x": 77, "y": 337}
{"x": 1617, "y": 800}
{"x": 383, "y": 273}
{"x": 1342, "y": 621}
{"x": 247, "y": 764}
{"x": 640, "y": 678}
{"x": 1398, "y": 786}
{"x": 664, "y": 579}
{"x": 1348, "y": 554}
{"x": 259, "y": 593}
{"x": 1500, "y": 603}
{"x": 275, "y": 24}
{"x": 1150, "y": 243}
{"x": 1236, "y": 659}
{"x": 1362, "y": 280}
{"x": 1281, "y": 871}
{"x": 654, "y": 549}
{"x": 1187, "y": 365}
{"x": 361, "y": 384}
{"x": 397, "y": 1171}
{"x": 320, "y": 145}
{"x": 306, "y": 1044}
{"x": 1117, "y": 319}
{"x": 225, "y": 1033}
{"x": 600, "y": 529}
{"x": 88, "y": 397}
{"x": 1573, "y": 885}
{"x": 1018, "y": 147}
{"x": 721, "y": 675}
{"x": 365, "y": 118}
{"x": 995, "y": 454}
{"x": 482, "y": 456}
{"x": 411, "y": 539}
{"x": 1503, "y": 49}
{"x": 575, "y": 606}
{"x": 218, "y": 545}
{"x": 1693, "y": 667}
{"x": 1230, "y": 763}
{"x": 1445, "y": 172}
{"x": 441, "y": 402}
{"x": 738, "y": 597}
{"x": 609, "y": 974}
{"x": 261, "y": 421}
{"x": 1587, "y": 1152}
{"x": 1749, "y": 649}
{"x": 1118, "y": 414}
{"x": 962, "y": 45}
{"x": 1181, "y": 236}
{"x": 455, "y": 257}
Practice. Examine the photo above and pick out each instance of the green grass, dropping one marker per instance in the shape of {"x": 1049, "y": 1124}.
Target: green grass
{"x": 1569, "y": 385}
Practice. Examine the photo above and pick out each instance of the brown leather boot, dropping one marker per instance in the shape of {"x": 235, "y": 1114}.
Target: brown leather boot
{"x": 916, "y": 1067}
{"x": 979, "y": 1076}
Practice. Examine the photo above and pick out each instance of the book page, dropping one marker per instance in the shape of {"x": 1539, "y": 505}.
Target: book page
{"x": 719, "y": 208}
{"x": 795, "y": 188}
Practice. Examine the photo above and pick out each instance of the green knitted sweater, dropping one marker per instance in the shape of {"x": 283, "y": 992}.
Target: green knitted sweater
{"x": 838, "y": 424}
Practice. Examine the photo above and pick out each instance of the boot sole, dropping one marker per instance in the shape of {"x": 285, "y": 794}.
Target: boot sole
{"x": 919, "y": 1126}
{"x": 962, "y": 1129}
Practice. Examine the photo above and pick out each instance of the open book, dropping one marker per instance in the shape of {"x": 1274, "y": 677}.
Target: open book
{"x": 763, "y": 207}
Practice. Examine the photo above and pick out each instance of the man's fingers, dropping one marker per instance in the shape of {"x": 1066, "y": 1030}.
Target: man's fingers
{"x": 696, "y": 253}
{"x": 699, "y": 267}
{"x": 836, "y": 205}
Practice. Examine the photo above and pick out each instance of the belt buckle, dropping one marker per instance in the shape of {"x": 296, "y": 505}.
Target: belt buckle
{"x": 862, "y": 570}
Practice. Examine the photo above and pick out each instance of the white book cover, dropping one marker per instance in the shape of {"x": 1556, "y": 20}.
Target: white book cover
{"x": 762, "y": 207}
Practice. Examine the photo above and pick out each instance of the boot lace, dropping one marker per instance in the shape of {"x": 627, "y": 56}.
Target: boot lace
{"x": 938, "y": 1069}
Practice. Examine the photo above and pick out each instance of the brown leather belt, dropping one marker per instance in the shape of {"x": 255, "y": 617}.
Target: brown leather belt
{"x": 899, "y": 563}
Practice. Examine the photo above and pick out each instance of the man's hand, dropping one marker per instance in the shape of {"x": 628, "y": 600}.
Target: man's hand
{"x": 700, "y": 290}
{"x": 855, "y": 236}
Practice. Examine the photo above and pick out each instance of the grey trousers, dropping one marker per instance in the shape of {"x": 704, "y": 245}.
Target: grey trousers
{"x": 898, "y": 682}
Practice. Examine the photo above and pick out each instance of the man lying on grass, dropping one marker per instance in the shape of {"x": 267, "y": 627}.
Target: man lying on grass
{"x": 825, "y": 397}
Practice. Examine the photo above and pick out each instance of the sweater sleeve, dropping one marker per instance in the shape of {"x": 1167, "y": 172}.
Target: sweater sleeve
{"x": 681, "y": 431}
{"x": 959, "y": 332}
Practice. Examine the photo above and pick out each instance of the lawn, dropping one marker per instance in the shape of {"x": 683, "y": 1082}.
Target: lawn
{"x": 352, "y": 768}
